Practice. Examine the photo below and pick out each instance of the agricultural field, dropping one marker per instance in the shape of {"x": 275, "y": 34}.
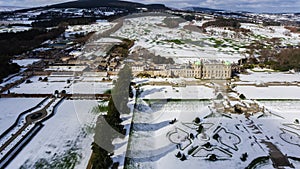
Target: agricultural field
{"x": 184, "y": 45}
{"x": 181, "y": 44}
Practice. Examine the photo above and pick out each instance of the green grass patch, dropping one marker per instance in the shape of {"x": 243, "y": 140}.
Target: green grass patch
{"x": 107, "y": 91}
{"x": 89, "y": 129}
{"x": 68, "y": 159}
{"x": 102, "y": 107}
{"x": 176, "y": 41}
{"x": 147, "y": 30}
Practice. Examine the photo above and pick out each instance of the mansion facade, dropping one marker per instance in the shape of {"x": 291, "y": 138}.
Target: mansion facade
{"x": 209, "y": 69}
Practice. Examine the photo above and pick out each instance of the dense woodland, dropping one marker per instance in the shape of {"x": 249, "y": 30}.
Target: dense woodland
{"x": 122, "y": 49}
{"x": 147, "y": 55}
{"x": 7, "y": 68}
{"x": 285, "y": 60}
{"x": 20, "y": 42}
{"x": 271, "y": 23}
{"x": 17, "y": 43}
{"x": 221, "y": 22}
{"x": 293, "y": 29}
{"x": 55, "y": 21}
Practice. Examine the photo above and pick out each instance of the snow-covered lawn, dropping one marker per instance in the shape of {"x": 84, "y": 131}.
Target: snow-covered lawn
{"x": 15, "y": 28}
{"x": 12, "y": 107}
{"x": 26, "y": 62}
{"x": 151, "y": 125}
{"x": 265, "y": 77}
{"x": 153, "y": 140}
{"x": 12, "y": 80}
{"x": 60, "y": 83}
{"x": 90, "y": 87}
{"x": 151, "y": 143}
{"x": 284, "y": 107}
{"x": 65, "y": 138}
{"x": 281, "y": 127}
{"x": 66, "y": 68}
{"x": 169, "y": 92}
{"x": 37, "y": 87}
{"x": 271, "y": 92}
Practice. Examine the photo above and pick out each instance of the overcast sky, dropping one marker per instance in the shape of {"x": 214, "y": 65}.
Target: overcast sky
{"x": 234, "y": 5}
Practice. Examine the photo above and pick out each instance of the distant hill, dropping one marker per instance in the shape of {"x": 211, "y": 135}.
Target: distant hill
{"x": 9, "y": 8}
{"x": 201, "y": 9}
{"x": 216, "y": 11}
{"x": 106, "y": 3}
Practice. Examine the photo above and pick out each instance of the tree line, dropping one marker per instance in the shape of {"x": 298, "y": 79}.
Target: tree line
{"x": 222, "y": 22}
{"x": 20, "y": 42}
{"x": 56, "y": 21}
{"x": 284, "y": 60}
{"x": 17, "y": 43}
{"x": 109, "y": 127}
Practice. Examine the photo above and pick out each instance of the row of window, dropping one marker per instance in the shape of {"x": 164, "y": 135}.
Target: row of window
{"x": 217, "y": 72}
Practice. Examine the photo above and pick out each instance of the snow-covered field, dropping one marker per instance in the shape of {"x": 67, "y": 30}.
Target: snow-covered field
{"x": 284, "y": 107}
{"x": 273, "y": 32}
{"x": 60, "y": 83}
{"x": 184, "y": 45}
{"x": 26, "y": 62}
{"x": 151, "y": 33}
{"x": 65, "y": 138}
{"x": 15, "y": 28}
{"x": 66, "y": 68}
{"x": 12, "y": 107}
{"x": 266, "y": 77}
{"x": 98, "y": 27}
{"x": 271, "y": 92}
{"x": 169, "y": 92}
{"x": 90, "y": 87}
{"x": 267, "y": 84}
{"x": 12, "y": 80}
{"x": 159, "y": 79}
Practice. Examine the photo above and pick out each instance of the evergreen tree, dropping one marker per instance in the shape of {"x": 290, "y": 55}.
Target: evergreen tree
{"x": 108, "y": 126}
{"x": 120, "y": 92}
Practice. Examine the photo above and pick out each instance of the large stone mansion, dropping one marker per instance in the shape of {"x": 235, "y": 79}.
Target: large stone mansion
{"x": 208, "y": 69}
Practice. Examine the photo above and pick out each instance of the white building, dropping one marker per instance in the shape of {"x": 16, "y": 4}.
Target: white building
{"x": 209, "y": 69}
